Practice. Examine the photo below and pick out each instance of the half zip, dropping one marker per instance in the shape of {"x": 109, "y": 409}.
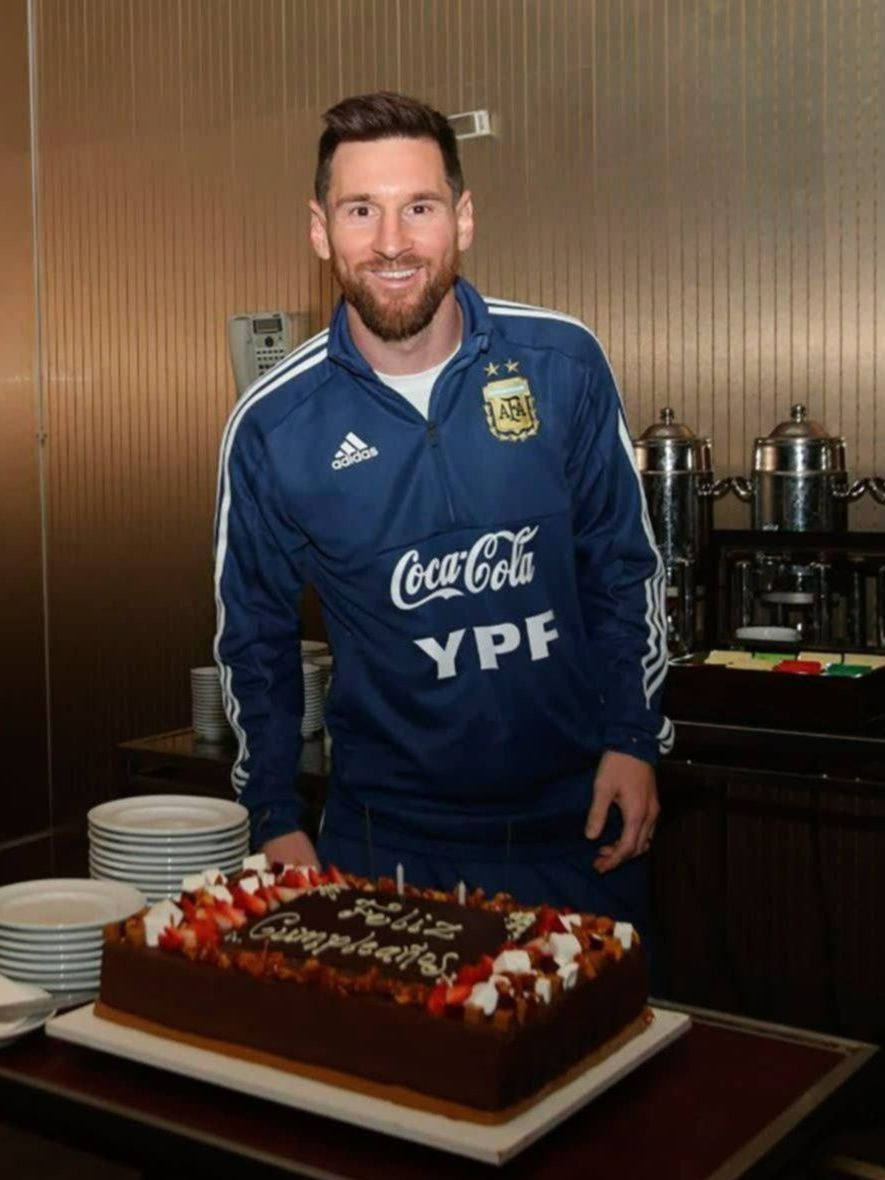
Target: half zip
{"x": 464, "y": 361}
{"x": 433, "y": 441}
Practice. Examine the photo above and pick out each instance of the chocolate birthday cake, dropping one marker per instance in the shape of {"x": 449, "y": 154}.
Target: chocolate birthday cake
{"x": 447, "y": 1000}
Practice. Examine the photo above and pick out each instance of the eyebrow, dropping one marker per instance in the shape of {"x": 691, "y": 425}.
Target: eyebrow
{"x": 367, "y": 198}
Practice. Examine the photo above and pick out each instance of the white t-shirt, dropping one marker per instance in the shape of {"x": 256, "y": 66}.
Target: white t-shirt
{"x": 415, "y": 387}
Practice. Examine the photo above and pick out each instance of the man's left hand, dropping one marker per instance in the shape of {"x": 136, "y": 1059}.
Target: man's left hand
{"x": 630, "y": 783}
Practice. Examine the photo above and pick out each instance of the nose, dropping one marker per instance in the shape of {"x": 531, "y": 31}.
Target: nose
{"x": 392, "y": 238}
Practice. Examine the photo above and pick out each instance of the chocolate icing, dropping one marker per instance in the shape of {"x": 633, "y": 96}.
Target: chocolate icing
{"x": 407, "y": 938}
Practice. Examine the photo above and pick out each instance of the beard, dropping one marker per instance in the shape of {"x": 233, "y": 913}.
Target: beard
{"x": 399, "y": 318}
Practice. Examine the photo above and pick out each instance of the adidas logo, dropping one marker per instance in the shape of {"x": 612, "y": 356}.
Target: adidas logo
{"x": 352, "y": 450}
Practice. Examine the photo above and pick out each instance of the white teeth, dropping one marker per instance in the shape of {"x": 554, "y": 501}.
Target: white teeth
{"x": 394, "y": 274}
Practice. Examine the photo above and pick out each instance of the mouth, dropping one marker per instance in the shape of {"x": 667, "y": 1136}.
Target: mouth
{"x": 394, "y": 277}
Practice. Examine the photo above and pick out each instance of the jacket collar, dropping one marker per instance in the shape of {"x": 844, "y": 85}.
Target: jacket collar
{"x": 477, "y": 330}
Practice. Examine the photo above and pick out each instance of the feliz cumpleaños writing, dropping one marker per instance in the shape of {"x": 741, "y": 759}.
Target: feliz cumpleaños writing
{"x": 287, "y": 929}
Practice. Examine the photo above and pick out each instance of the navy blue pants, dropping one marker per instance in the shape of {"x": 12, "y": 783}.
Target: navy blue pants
{"x": 545, "y": 860}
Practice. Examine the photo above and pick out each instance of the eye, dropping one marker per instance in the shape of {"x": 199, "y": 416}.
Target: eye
{"x": 359, "y": 211}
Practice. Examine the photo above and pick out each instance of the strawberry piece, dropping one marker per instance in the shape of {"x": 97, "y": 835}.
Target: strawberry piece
{"x": 549, "y": 921}
{"x": 458, "y": 994}
{"x": 313, "y": 876}
{"x": 251, "y": 903}
{"x": 436, "y": 1001}
{"x": 188, "y": 938}
{"x": 230, "y": 913}
{"x": 170, "y": 939}
{"x": 205, "y": 930}
{"x": 476, "y": 972}
{"x": 291, "y": 879}
{"x": 336, "y": 877}
{"x": 268, "y": 894}
{"x": 187, "y": 906}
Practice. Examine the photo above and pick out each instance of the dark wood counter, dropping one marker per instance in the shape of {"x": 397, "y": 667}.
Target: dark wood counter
{"x": 731, "y": 1098}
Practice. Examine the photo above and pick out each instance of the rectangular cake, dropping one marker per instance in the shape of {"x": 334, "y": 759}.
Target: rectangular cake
{"x": 473, "y": 1002}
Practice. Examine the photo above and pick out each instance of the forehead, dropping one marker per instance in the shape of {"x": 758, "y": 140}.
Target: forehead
{"x": 388, "y": 167}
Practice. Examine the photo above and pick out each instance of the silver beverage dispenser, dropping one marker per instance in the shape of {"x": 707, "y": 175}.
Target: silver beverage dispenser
{"x": 677, "y": 476}
{"x": 799, "y": 483}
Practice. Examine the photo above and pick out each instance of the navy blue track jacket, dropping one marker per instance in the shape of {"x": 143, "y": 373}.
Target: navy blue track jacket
{"x": 489, "y": 580}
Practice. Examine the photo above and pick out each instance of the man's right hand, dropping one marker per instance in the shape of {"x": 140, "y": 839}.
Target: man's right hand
{"x": 295, "y": 848}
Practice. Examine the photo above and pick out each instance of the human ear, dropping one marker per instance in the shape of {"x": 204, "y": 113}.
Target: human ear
{"x": 319, "y": 235}
{"x": 464, "y": 219}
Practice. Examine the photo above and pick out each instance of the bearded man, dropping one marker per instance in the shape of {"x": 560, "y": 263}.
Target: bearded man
{"x": 454, "y": 475}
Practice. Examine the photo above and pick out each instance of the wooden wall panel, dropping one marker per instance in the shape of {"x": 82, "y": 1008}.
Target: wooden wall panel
{"x": 700, "y": 182}
{"x": 26, "y": 796}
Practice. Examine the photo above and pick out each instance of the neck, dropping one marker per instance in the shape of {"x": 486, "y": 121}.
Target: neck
{"x": 426, "y": 348}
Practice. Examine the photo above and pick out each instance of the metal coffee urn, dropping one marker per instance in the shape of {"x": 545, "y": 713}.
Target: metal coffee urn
{"x": 799, "y": 483}
{"x": 677, "y": 475}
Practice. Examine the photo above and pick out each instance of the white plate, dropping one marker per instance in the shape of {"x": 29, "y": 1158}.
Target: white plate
{"x": 769, "y": 634}
{"x": 160, "y": 876}
{"x": 168, "y": 864}
{"x": 73, "y": 999}
{"x": 78, "y": 941}
{"x": 14, "y": 992}
{"x": 169, "y": 860}
{"x": 154, "y": 890}
{"x": 167, "y": 815}
{"x": 492, "y": 1144}
{"x": 58, "y": 981}
{"x": 23, "y": 1027}
{"x": 11, "y": 1030}
{"x": 183, "y": 841}
{"x": 39, "y": 907}
{"x": 206, "y": 847}
{"x": 38, "y": 958}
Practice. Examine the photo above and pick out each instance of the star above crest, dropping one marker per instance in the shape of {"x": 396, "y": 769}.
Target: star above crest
{"x": 512, "y": 366}
{"x": 492, "y": 369}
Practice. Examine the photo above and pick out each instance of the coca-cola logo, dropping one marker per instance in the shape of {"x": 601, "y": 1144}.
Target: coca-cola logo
{"x": 493, "y": 561}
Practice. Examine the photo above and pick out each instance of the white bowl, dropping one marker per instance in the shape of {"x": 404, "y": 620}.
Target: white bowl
{"x": 769, "y": 634}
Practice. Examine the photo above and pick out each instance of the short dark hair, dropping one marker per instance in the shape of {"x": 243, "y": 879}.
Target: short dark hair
{"x": 385, "y": 115}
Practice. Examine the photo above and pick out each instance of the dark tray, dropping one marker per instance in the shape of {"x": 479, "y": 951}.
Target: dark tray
{"x": 696, "y": 691}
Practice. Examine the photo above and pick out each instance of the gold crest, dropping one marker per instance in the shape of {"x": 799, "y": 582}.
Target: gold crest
{"x": 510, "y": 409}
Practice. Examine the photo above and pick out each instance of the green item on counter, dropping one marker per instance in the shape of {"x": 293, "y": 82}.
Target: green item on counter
{"x": 852, "y": 671}
{"x": 769, "y": 657}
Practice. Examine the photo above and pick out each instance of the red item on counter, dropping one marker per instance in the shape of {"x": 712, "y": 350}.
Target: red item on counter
{"x": 800, "y": 667}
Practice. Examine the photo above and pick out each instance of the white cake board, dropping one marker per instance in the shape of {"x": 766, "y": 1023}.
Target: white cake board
{"x": 491, "y": 1144}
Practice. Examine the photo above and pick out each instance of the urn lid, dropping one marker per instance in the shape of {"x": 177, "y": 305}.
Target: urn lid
{"x": 671, "y": 447}
{"x": 667, "y": 428}
{"x": 799, "y": 446}
{"x": 799, "y": 425}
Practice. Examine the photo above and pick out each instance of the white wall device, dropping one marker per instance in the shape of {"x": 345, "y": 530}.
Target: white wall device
{"x": 470, "y": 124}
{"x": 259, "y": 340}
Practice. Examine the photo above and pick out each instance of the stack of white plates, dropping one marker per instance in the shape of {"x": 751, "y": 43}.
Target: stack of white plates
{"x": 207, "y": 710}
{"x": 314, "y": 699}
{"x": 152, "y": 841}
{"x": 51, "y": 932}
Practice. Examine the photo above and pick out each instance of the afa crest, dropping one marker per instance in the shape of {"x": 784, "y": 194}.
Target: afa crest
{"x": 510, "y": 409}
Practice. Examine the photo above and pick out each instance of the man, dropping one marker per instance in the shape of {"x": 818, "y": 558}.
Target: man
{"x": 455, "y": 477}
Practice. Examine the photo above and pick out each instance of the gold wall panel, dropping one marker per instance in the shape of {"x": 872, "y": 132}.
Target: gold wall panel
{"x": 26, "y": 802}
{"x": 699, "y": 181}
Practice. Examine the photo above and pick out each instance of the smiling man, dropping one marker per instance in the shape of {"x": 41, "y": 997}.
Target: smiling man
{"x": 454, "y": 475}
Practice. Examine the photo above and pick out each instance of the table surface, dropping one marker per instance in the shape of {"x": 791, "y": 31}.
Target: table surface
{"x": 712, "y": 1105}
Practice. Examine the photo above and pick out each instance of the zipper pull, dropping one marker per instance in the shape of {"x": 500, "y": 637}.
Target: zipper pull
{"x": 432, "y": 434}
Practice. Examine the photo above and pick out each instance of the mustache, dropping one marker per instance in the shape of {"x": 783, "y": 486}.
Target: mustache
{"x": 405, "y": 262}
